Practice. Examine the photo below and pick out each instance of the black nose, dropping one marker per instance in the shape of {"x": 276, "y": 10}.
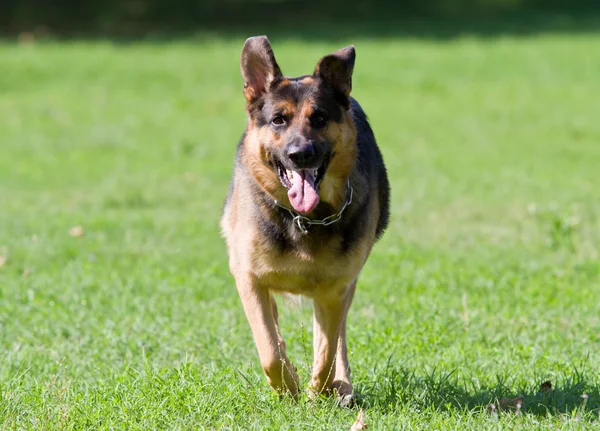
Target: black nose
{"x": 304, "y": 156}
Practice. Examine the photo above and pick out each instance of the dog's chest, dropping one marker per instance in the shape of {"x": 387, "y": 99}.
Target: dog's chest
{"x": 304, "y": 269}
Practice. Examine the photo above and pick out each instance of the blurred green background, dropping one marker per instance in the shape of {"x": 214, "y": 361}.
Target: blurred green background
{"x": 136, "y": 17}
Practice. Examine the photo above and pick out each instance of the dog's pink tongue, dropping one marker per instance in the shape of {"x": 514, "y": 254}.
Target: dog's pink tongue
{"x": 303, "y": 194}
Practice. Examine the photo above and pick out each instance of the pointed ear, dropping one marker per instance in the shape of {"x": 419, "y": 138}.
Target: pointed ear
{"x": 336, "y": 69}
{"x": 259, "y": 68}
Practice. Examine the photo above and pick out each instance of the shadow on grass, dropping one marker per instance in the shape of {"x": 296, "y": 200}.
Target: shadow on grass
{"x": 572, "y": 396}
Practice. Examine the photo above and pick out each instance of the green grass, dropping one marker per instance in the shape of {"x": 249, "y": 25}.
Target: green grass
{"x": 485, "y": 285}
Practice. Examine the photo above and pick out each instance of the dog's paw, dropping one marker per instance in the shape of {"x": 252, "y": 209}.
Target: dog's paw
{"x": 312, "y": 393}
{"x": 347, "y": 400}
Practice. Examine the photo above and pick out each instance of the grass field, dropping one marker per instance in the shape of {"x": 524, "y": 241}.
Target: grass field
{"x": 117, "y": 310}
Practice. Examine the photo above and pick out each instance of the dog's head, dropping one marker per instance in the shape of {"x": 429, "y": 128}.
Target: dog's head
{"x": 300, "y": 140}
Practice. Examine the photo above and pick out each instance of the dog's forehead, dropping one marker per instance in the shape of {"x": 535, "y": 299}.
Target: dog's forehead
{"x": 305, "y": 93}
{"x": 295, "y": 90}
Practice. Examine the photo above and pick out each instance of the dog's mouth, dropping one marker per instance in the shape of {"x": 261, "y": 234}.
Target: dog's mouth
{"x": 302, "y": 185}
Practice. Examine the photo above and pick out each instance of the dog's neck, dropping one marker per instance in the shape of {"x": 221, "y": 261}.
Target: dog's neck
{"x": 304, "y": 222}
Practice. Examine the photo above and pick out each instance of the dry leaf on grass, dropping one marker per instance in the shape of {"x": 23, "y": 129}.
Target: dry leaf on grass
{"x": 76, "y": 231}
{"x": 359, "y": 423}
{"x": 546, "y": 387}
{"x": 2, "y": 261}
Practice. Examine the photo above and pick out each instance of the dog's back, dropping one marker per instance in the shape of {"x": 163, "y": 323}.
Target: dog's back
{"x": 371, "y": 160}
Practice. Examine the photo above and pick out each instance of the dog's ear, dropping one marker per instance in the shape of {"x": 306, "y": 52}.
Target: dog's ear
{"x": 259, "y": 68}
{"x": 336, "y": 69}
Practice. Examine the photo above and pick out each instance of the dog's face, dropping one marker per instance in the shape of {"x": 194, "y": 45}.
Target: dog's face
{"x": 301, "y": 140}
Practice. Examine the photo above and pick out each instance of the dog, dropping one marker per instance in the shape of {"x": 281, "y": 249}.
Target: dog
{"x": 308, "y": 200}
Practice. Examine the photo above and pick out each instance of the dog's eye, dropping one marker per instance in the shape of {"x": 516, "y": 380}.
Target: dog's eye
{"x": 278, "y": 120}
{"x": 319, "y": 120}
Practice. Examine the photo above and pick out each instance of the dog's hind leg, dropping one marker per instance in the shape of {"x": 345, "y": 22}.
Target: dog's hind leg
{"x": 330, "y": 367}
{"x": 261, "y": 315}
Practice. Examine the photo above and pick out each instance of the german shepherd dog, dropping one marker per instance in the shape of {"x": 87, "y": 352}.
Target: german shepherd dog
{"x": 308, "y": 199}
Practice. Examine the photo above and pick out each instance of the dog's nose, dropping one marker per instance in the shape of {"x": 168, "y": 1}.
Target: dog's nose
{"x": 303, "y": 156}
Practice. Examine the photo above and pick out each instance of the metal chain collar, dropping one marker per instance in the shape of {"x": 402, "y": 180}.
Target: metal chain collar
{"x": 303, "y": 223}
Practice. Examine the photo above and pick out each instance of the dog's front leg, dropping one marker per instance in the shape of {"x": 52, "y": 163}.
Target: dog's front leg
{"x": 341, "y": 379}
{"x": 256, "y": 299}
{"x": 330, "y": 367}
